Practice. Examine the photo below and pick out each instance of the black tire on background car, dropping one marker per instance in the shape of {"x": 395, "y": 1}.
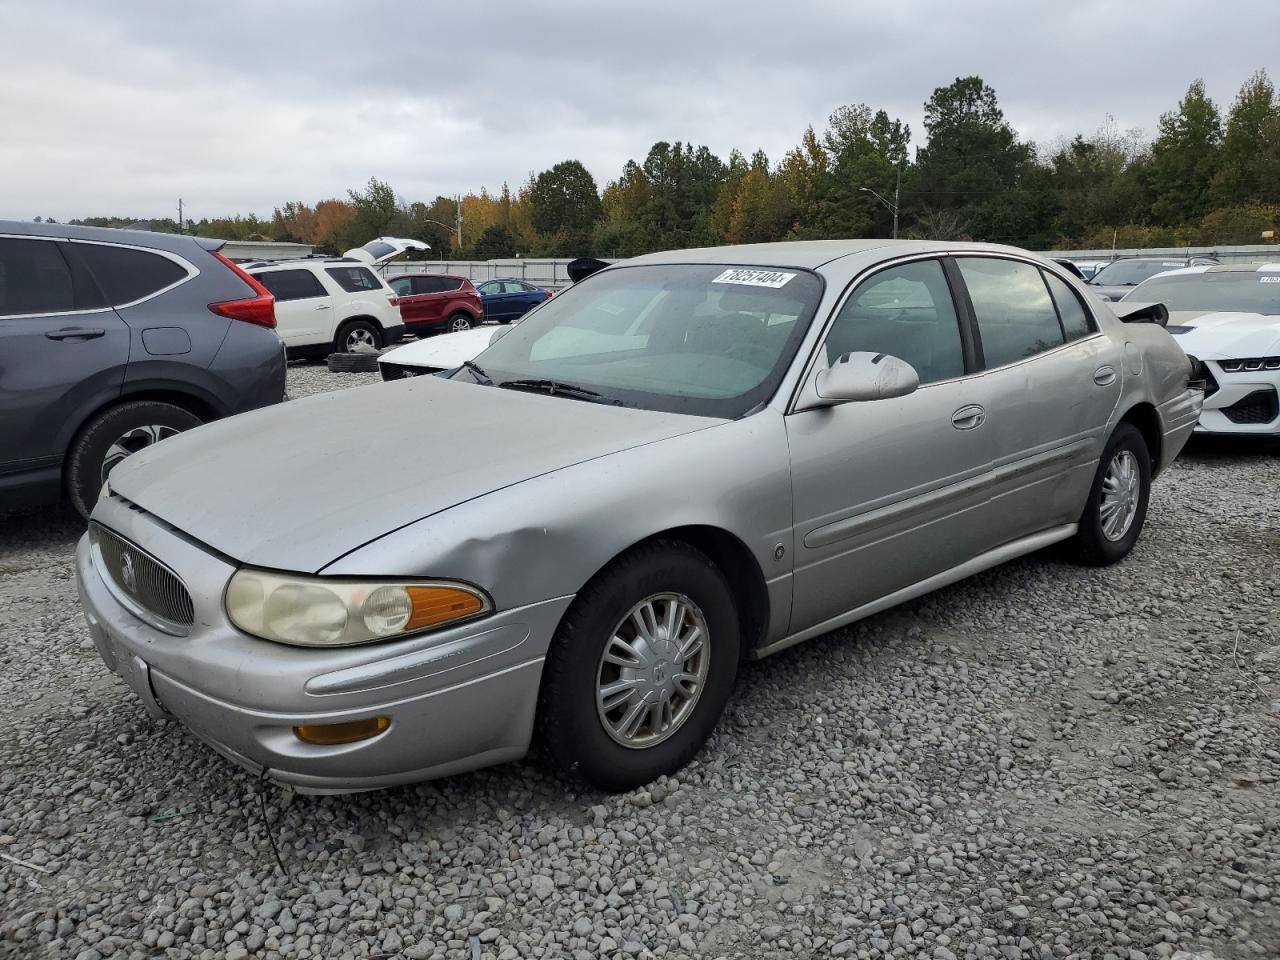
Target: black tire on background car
{"x": 353, "y": 363}
{"x": 110, "y": 437}
{"x": 1117, "y": 506}
{"x": 355, "y": 333}
{"x": 459, "y": 321}
{"x": 626, "y": 696}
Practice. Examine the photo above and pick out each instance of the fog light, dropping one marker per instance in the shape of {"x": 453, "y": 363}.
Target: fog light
{"x": 330, "y": 734}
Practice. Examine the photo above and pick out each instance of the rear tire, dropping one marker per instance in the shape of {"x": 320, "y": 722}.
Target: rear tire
{"x": 356, "y": 333}
{"x": 458, "y": 322}
{"x": 586, "y": 739}
{"x": 1117, "y": 505}
{"x": 111, "y": 437}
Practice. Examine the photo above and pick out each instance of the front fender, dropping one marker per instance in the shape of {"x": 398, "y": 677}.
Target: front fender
{"x": 546, "y": 537}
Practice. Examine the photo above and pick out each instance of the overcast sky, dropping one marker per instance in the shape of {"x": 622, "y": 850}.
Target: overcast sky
{"x": 120, "y": 107}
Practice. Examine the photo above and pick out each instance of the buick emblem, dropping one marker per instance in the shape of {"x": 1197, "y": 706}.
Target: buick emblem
{"x": 129, "y": 573}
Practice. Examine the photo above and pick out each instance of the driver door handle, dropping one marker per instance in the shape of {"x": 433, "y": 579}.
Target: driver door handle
{"x": 968, "y": 417}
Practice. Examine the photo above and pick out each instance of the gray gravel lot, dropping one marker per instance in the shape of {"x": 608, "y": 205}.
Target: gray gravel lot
{"x": 1043, "y": 762}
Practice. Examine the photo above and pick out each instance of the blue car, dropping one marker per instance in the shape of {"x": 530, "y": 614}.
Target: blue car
{"x": 506, "y": 299}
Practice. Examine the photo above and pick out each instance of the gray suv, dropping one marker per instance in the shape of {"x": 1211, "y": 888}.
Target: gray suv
{"x": 111, "y": 340}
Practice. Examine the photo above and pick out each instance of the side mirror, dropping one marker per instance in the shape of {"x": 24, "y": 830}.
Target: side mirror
{"x": 863, "y": 376}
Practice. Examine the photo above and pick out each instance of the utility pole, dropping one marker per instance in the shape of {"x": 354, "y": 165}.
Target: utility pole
{"x": 897, "y": 191}
{"x": 180, "y": 215}
{"x": 457, "y": 205}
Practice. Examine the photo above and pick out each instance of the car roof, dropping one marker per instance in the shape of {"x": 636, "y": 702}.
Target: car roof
{"x": 294, "y": 262}
{"x": 811, "y": 254}
{"x": 423, "y": 273}
{"x": 172, "y": 242}
{"x": 1221, "y": 268}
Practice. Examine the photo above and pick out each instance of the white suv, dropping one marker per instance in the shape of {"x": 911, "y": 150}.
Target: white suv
{"x": 327, "y": 304}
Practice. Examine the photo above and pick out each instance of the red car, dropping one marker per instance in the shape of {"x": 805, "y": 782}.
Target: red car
{"x": 436, "y": 302}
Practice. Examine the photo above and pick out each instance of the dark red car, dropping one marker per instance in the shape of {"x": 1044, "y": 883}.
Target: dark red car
{"x": 436, "y": 302}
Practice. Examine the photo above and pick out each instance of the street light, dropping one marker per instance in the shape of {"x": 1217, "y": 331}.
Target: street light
{"x": 891, "y": 207}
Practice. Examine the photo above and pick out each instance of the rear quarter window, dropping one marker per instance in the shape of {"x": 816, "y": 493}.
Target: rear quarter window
{"x": 127, "y": 275}
{"x": 1075, "y": 319}
{"x": 354, "y": 279}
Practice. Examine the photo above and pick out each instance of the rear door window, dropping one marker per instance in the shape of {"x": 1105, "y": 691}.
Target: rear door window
{"x": 354, "y": 279}
{"x": 1075, "y": 319}
{"x": 429, "y": 285}
{"x": 127, "y": 275}
{"x": 1016, "y": 318}
{"x": 34, "y": 278}
{"x": 288, "y": 285}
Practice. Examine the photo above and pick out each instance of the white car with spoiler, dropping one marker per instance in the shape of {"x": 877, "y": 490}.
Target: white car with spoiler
{"x": 1228, "y": 317}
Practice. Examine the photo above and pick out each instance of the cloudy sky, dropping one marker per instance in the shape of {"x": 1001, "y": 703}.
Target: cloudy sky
{"x": 120, "y": 107}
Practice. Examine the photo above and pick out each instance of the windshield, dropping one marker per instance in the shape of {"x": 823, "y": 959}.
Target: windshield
{"x": 1130, "y": 273}
{"x": 707, "y": 340}
{"x": 1232, "y": 292}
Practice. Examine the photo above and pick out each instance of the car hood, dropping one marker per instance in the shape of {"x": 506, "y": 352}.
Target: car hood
{"x": 297, "y": 485}
{"x": 1226, "y": 336}
{"x": 442, "y": 352}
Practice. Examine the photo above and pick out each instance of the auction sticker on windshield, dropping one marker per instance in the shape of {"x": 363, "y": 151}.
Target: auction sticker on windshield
{"x": 755, "y": 278}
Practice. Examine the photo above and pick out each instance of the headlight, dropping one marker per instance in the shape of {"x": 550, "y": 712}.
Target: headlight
{"x": 331, "y": 612}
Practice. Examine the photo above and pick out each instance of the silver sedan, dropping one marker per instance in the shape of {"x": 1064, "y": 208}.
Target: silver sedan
{"x": 687, "y": 459}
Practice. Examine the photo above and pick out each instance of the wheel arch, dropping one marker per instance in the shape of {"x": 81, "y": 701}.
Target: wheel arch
{"x": 1146, "y": 420}
{"x": 194, "y": 403}
{"x": 347, "y": 321}
{"x": 734, "y": 560}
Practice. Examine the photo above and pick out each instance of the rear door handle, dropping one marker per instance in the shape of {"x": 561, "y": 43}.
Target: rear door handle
{"x": 323, "y": 306}
{"x": 968, "y": 417}
{"x": 76, "y": 333}
{"x": 1104, "y": 375}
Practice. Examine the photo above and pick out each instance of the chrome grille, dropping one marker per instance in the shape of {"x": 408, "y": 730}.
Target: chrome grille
{"x": 143, "y": 579}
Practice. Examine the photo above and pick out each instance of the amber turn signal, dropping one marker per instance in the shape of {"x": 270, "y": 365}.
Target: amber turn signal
{"x": 331, "y": 734}
{"x": 432, "y": 605}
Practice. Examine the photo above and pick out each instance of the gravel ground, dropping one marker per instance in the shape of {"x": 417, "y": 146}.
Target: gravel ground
{"x": 1043, "y": 762}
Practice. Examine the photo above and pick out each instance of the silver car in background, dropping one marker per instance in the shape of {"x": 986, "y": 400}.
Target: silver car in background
{"x": 686, "y": 459}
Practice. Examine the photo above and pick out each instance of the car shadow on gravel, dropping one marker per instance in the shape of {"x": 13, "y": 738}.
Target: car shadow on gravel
{"x": 43, "y": 529}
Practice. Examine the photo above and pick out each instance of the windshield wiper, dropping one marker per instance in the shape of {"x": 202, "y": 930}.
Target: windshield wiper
{"x": 554, "y": 387}
{"x": 477, "y": 371}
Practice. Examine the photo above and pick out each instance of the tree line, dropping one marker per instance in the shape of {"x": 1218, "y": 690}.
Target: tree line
{"x": 1204, "y": 178}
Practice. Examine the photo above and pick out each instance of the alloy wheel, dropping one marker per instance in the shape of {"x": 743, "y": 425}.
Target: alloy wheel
{"x": 1121, "y": 494}
{"x": 360, "y": 337}
{"x": 653, "y": 670}
{"x": 134, "y": 440}
{"x": 458, "y": 324}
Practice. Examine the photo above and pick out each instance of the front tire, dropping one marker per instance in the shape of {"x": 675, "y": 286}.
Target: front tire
{"x": 640, "y": 669}
{"x": 111, "y": 437}
{"x": 1117, "y": 505}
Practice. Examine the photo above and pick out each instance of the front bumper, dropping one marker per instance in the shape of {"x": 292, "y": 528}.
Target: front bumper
{"x": 457, "y": 699}
{"x": 1243, "y": 403}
